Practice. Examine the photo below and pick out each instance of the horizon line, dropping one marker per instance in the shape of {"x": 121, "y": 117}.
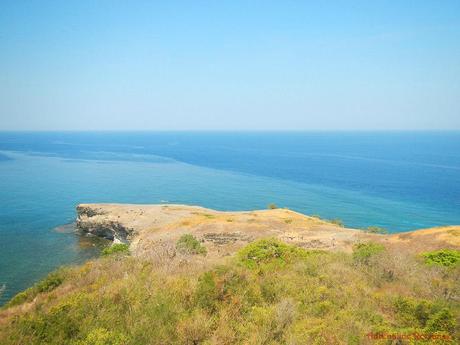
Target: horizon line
{"x": 228, "y": 130}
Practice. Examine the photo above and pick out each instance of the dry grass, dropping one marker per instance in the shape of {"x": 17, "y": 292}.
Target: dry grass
{"x": 268, "y": 294}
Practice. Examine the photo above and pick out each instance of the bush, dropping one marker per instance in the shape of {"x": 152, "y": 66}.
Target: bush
{"x": 21, "y": 297}
{"x": 337, "y": 222}
{"x": 362, "y": 252}
{"x": 52, "y": 281}
{"x": 415, "y": 313}
{"x": 101, "y": 336}
{"x": 443, "y": 321}
{"x": 118, "y": 248}
{"x": 188, "y": 244}
{"x": 269, "y": 251}
{"x": 376, "y": 230}
{"x": 195, "y": 329}
{"x": 207, "y": 293}
{"x": 443, "y": 257}
{"x": 272, "y": 206}
{"x": 49, "y": 283}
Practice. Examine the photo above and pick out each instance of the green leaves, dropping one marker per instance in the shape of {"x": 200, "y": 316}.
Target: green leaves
{"x": 362, "y": 252}
{"x": 269, "y": 252}
{"x": 188, "y": 244}
{"x": 443, "y": 257}
{"x": 118, "y": 248}
{"x": 49, "y": 283}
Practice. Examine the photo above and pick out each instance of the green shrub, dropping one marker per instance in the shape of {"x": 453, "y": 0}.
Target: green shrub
{"x": 49, "y": 283}
{"x": 272, "y": 206}
{"x": 443, "y": 257}
{"x": 21, "y": 297}
{"x": 102, "y": 336}
{"x": 188, "y": 244}
{"x": 118, "y": 248}
{"x": 411, "y": 312}
{"x": 206, "y": 294}
{"x": 362, "y": 252}
{"x": 443, "y": 321}
{"x": 52, "y": 281}
{"x": 376, "y": 230}
{"x": 269, "y": 251}
{"x": 430, "y": 316}
{"x": 337, "y": 222}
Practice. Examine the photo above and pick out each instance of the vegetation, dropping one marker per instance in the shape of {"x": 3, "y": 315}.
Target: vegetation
{"x": 335, "y": 221}
{"x": 338, "y": 222}
{"x": 272, "y": 206}
{"x": 269, "y": 252}
{"x": 443, "y": 257}
{"x": 376, "y": 230}
{"x": 117, "y": 248}
{"x": 49, "y": 283}
{"x": 268, "y": 293}
{"x": 425, "y": 314}
{"x": 188, "y": 244}
{"x": 363, "y": 252}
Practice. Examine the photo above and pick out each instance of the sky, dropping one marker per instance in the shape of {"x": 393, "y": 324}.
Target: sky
{"x": 229, "y": 65}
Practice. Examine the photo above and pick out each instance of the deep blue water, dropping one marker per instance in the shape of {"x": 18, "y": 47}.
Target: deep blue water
{"x": 397, "y": 180}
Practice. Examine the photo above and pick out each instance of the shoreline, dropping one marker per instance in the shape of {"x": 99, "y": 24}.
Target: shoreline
{"x": 190, "y": 261}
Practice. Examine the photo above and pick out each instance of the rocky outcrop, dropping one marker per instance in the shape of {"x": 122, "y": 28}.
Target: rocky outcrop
{"x": 95, "y": 221}
{"x": 222, "y": 238}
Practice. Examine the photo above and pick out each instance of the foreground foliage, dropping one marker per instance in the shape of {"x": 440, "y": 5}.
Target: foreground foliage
{"x": 269, "y": 293}
{"x": 117, "y": 248}
{"x": 188, "y": 244}
{"x": 443, "y": 257}
{"x": 49, "y": 283}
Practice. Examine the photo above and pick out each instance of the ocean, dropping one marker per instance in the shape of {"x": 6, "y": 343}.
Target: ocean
{"x": 397, "y": 180}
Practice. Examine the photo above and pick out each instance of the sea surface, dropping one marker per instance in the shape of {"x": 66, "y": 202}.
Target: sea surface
{"x": 397, "y": 180}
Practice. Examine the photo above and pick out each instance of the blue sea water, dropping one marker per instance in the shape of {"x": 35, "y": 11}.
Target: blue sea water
{"x": 397, "y": 180}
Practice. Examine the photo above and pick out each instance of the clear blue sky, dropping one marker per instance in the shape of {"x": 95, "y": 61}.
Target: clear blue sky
{"x": 233, "y": 65}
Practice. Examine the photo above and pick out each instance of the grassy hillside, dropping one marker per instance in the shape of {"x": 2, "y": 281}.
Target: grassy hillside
{"x": 268, "y": 293}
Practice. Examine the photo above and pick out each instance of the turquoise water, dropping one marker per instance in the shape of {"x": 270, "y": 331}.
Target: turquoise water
{"x": 400, "y": 181}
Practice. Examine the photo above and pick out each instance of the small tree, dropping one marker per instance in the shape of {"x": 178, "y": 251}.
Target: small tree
{"x": 362, "y": 252}
{"x": 188, "y": 244}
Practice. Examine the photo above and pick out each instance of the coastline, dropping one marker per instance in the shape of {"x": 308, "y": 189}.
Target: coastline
{"x": 182, "y": 270}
